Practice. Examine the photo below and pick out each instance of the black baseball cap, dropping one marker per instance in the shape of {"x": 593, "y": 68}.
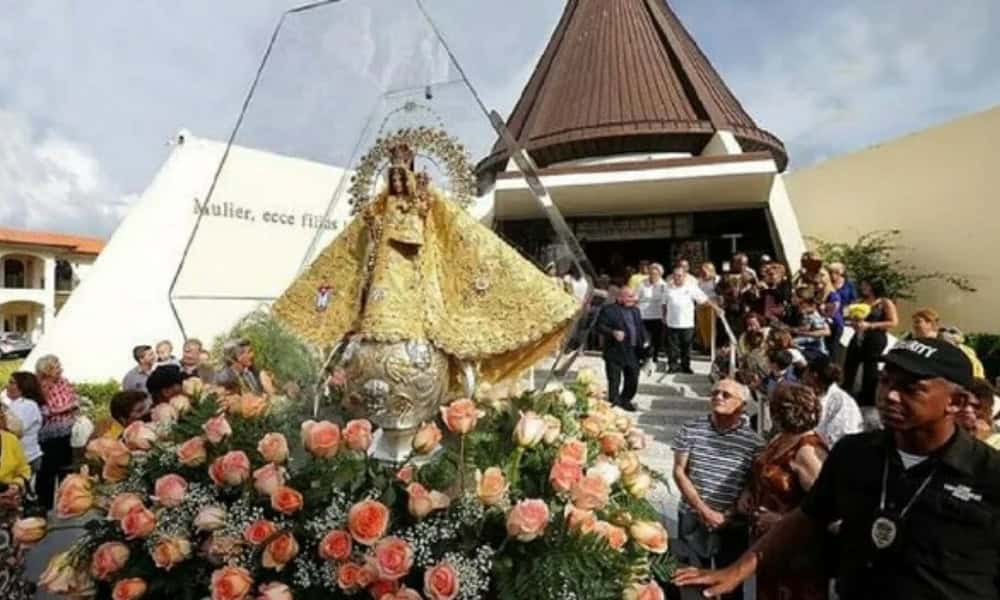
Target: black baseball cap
{"x": 930, "y": 358}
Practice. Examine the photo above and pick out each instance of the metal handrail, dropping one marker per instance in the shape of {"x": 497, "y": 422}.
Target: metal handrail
{"x": 718, "y": 315}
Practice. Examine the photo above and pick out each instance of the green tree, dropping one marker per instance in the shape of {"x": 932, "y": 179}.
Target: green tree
{"x": 873, "y": 257}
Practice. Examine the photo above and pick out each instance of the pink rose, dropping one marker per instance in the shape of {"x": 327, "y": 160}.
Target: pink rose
{"x": 577, "y": 518}
{"x": 349, "y": 577}
{"x": 232, "y": 468}
{"x": 280, "y": 552}
{"x": 139, "y": 436}
{"x": 286, "y": 500}
{"x": 192, "y": 452}
{"x": 231, "y": 583}
{"x": 382, "y": 588}
{"x": 274, "y": 448}
{"x": 163, "y": 414}
{"x": 108, "y": 559}
{"x": 648, "y": 591}
{"x": 427, "y": 439}
{"x": 210, "y": 518}
{"x": 170, "y": 552}
{"x": 121, "y": 504}
{"x": 75, "y": 496}
{"x": 591, "y": 493}
{"x": 249, "y": 406}
{"x": 403, "y": 593}
{"x": 491, "y": 486}
{"x": 274, "y": 591}
{"x": 393, "y": 558}
{"x": 216, "y": 429}
{"x": 367, "y": 521}
{"x": 405, "y": 474}
{"x": 650, "y": 536}
{"x": 615, "y": 536}
{"x": 29, "y": 530}
{"x": 422, "y": 502}
{"x": 461, "y": 416}
{"x": 132, "y": 588}
{"x": 573, "y": 451}
{"x": 612, "y": 443}
{"x": 358, "y": 434}
{"x": 564, "y": 476}
{"x": 138, "y": 523}
{"x": 259, "y": 531}
{"x": 530, "y": 430}
{"x": 441, "y": 582}
{"x": 636, "y": 439}
{"x": 335, "y": 545}
{"x": 321, "y": 439}
{"x": 170, "y": 490}
{"x": 527, "y": 520}
{"x": 268, "y": 478}
{"x": 116, "y": 460}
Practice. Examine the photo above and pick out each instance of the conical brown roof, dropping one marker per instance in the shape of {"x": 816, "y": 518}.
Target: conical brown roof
{"x": 621, "y": 76}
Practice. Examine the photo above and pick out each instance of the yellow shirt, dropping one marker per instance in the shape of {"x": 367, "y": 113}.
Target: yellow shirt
{"x": 112, "y": 429}
{"x": 13, "y": 465}
{"x": 635, "y": 280}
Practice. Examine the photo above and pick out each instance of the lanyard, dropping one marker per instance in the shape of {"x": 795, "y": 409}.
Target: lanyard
{"x": 885, "y": 481}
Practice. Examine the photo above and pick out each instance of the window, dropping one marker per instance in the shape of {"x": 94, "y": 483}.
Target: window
{"x": 13, "y": 273}
{"x": 64, "y": 276}
{"x": 21, "y": 323}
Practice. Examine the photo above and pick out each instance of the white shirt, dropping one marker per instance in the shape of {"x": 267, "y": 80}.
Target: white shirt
{"x": 578, "y": 287}
{"x": 840, "y": 416}
{"x": 31, "y": 421}
{"x": 680, "y": 305}
{"x": 652, "y": 297}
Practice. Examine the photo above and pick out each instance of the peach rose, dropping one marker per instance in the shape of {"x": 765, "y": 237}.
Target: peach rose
{"x": 279, "y": 552}
{"x": 491, "y": 486}
{"x": 628, "y": 463}
{"x": 60, "y": 577}
{"x": 138, "y": 523}
{"x": 393, "y": 558}
{"x": 170, "y": 490}
{"x": 612, "y": 443}
{"x": 527, "y": 520}
{"x": 259, "y": 531}
{"x": 230, "y": 583}
{"x": 163, "y": 414}
{"x": 75, "y": 496}
{"x": 348, "y": 576}
{"x": 422, "y": 502}
{"x": 405, "y": 474}
{"x": 638, "y": 484}
{"x": 96, "y": 447}
{"x": 427, "y": 439}
{"x": 116, "y": 460}
{"x": 591, "y": 493}
{"x": 592, "y": 427}
{"x": 29, "y": 530}
{"x": 139, "y": 436}
{"x": 222, "y": 549}
{"x": 573, "y": 451}
{"x": 648, "y": 591}
{"x": 530, "y": 430}
{"x": 553, "y": 428}
{"x": 615, "y": 536}
{"x": 192, "y": 452}
{"x": 192, "y": 386}
{"x": 210, "y": 518}
{"x": 577, "y": 518}
{"x": 121, "y": 504}
{"x": 650, "y": 535}
{"x": 367, "y": 521}
{"x": 108, "y": 559}
{"x": 321, "y": 439}
{"x": 274, "y": 448}
{"x": 636, "y": 439}
{"x": 132, "y": 588}
{"x": 171, "y": 551}
{"x": 286, "y": 500}
{"x": 564, "y": 476}
{"x": 249, "y": 406}
{"x": 358, "y": 434}
{"x": 181, "y": 403}
{"x": 382, "y": 588}
{"x": 335, "y": 545}
{"x": 274, "y": 591}
{"x": 268, "y": 478}
{"x": 232, "y": 468}
{"x": 461, "y": 416}
{"x": 216, "y": 429}
{"x": 441, "y": 582}
{"x": 403, "y": 593}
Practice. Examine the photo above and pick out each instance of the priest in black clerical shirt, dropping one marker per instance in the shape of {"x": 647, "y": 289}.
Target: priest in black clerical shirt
{"x": 625, "y": 337}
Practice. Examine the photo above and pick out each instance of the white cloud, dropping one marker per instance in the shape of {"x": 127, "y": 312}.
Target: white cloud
{"x": 52, "y": 183}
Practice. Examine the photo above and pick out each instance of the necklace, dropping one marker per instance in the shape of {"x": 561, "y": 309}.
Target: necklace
{"x": 885, "y": 528}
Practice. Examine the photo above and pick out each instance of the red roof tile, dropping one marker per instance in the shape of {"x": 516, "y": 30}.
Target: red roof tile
{"x": 72, "y": 243}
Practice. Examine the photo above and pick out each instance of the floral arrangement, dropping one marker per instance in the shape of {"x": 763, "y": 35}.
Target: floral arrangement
{"x": 858, "y": 311}
{"x": 535, "y": 496}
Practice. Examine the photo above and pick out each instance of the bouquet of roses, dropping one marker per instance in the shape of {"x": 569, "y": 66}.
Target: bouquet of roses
{"x": 540, "y": 495}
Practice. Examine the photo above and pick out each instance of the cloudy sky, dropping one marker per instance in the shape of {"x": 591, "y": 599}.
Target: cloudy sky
{"x": 90, "y": 93}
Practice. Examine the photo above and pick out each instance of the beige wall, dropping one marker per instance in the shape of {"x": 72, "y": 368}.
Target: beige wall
{"x": 941, "y": 187}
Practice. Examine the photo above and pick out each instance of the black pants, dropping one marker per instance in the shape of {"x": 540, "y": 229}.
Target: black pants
{"x": 700, "y": 546}
{"x": 679, "y": 346}
{"x": 57, "y": 456}
{"x": 858, "y": 359}
{"x": 618, "y": 394}
{"x": 654, "y": 327}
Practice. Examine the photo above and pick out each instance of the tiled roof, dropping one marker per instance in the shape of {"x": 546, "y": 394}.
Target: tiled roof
{"x": 71, "y": 243}
{"x": 623, "y": 76}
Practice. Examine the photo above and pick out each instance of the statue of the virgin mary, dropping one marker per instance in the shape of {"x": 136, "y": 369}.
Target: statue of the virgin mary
{"x": 421, "y": 292}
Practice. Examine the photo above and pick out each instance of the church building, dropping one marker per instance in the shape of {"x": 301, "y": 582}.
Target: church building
{"x": 643, "y": 148}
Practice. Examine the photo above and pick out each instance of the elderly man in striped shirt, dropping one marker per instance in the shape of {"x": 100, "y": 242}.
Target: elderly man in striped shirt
{"x": 713, "y": 456}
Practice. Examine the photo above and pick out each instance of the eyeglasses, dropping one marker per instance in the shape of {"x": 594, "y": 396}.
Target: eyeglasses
{"x": 725, "y": 394}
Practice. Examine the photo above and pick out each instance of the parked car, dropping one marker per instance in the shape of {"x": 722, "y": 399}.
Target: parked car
{"x": 15, "y": 344}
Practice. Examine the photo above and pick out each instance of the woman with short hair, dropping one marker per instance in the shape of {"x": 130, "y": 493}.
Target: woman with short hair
{"x": 651, "y": 294}
{"x": 25, "y": 396}
{"x": 60, "y": 407}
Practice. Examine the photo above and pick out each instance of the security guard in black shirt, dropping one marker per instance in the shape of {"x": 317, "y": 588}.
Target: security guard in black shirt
{"x": 918, "y": 505}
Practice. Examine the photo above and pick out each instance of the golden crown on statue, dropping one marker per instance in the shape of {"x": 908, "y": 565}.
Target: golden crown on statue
{"x": 402, "y": 155}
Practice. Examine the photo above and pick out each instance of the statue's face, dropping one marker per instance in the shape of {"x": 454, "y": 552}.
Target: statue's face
{"x": 397, "y": 183}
